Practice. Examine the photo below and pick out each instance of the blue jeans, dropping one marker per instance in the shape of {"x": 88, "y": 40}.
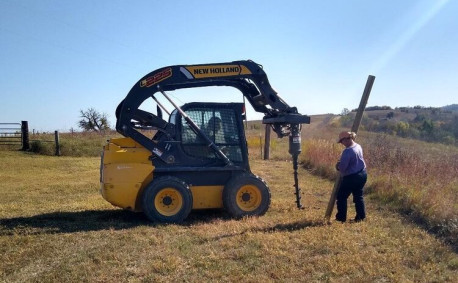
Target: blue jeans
{"x": 351, "y": 184}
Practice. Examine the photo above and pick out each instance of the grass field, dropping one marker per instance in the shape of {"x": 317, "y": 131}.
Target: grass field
{"x": 55, "y": 227}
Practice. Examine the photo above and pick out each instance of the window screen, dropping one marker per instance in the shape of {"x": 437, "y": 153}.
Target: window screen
{"x": 220, "y": 125}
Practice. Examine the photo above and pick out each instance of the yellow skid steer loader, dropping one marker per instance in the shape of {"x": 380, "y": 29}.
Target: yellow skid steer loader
{"x": 198, "y": 159}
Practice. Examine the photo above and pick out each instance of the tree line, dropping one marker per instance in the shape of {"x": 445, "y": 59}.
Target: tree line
{"x": 424, "y": 123}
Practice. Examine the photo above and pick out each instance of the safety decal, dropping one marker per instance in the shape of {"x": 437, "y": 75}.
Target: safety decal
{"x": 157, "y": 151}
{"x": 156, "y": 78}
{"x": 122, "y": 167}
{"x": 210, "y": 71}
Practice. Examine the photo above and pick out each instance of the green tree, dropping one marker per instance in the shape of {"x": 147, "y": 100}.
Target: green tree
{"x": 402, "y": 128}
{"x": 427, "y": 126}
{"x": 93, "y": 120}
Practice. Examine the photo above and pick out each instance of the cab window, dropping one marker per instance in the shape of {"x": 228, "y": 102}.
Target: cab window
{"x": 220, "y": 126}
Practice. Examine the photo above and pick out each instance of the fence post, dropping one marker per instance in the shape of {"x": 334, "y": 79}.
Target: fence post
{"x": 25, "y": 135}
{"x": 267, "y": 143}
{"x": 56, "y": 138}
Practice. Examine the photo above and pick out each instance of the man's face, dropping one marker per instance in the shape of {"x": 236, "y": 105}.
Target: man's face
{"x": 346, "y": 142}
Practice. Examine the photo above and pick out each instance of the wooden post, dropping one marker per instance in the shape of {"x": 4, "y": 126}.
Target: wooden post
{"x": 56, "y": 138}
{"x": 354, "y": 128}
{"x": 362, "y": 104}
{"x": 25, "y": 135}
{"x": 267, "y": 143}
{"x": 260, "y": 144}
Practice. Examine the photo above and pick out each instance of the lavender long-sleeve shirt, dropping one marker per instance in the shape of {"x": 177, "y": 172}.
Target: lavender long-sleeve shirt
{"x": 352, "y": 160}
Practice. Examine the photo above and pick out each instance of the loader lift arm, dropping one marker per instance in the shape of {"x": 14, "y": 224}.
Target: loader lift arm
{"x": 246, "y": 76}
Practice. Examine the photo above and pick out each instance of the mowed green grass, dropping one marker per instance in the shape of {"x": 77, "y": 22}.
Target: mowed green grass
{"x": 55, "y": 227}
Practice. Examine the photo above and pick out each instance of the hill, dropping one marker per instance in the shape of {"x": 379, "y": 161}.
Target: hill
{"x": 431, "y": 124}
{"x": 452, "y": 107}
{"x": 425, "y": 123}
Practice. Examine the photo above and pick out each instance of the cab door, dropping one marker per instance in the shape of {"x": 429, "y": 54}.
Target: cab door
{"x": 222, "y": 123}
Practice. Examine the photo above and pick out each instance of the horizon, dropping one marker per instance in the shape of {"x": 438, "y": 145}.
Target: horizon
{"x": 113, "y": 127}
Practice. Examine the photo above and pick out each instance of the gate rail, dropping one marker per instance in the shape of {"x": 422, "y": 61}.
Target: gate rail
{"x": 15, "y": 134}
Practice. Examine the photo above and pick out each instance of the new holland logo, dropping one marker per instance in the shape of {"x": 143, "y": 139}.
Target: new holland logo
{"x": 216, "y": 71}
{"x": 156, "y": 78}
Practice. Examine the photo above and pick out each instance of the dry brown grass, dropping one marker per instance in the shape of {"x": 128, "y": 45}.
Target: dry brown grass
{"x": 416, "y": 178}
{"x": 55, "y": 227}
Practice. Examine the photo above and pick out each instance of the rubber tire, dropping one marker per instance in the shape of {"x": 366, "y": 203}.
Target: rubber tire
{"x": 155, "y": 187}
{"x": 232, "y": 188}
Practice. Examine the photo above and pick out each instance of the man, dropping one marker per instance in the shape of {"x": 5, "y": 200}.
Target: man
{"x": 213, "y": 130}
{"x": 353, "y": 171}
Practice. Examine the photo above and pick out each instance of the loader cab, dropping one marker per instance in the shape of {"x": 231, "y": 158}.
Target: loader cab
{"x": 222, "y": 123}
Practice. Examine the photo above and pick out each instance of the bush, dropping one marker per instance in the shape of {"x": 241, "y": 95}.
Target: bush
{"x": 42, "y": 147}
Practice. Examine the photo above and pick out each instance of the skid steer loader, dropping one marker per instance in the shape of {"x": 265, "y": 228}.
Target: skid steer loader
{"x": 198, "y": 159}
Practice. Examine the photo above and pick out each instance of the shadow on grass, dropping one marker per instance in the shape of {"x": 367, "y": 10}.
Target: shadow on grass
{"x": 294, "y": 226}
{"x": 285, "y": 227}
{"x": 92, "y": 220}
{"x": 70, "y": 222}
{"x": 98, "y": 220}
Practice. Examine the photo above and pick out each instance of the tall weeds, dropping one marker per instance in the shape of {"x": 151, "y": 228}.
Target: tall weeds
{"x": 71, "y": 144}
{"x": 319, "y": 156}
{"x": 416, "y": 178}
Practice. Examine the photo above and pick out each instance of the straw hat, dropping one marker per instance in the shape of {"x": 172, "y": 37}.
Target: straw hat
{"x": 344, "y": 135}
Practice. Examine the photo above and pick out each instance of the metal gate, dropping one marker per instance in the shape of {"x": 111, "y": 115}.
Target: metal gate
{"x": 14, "y": 134}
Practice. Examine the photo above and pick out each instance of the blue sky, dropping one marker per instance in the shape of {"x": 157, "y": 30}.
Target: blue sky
{"x": 60, "y": 56}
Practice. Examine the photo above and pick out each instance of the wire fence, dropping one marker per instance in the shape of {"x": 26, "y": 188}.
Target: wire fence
{"x": 15, "y": 135}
